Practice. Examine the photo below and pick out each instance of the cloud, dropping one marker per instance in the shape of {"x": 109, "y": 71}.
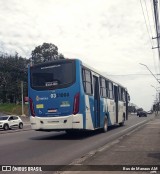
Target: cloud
{"x": 110, "y": 36}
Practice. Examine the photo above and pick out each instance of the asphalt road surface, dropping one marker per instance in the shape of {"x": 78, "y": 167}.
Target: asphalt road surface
{"x": 29, "y": 147}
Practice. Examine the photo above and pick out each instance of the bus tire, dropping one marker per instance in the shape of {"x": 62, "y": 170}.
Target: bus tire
{"x": 122, "y": 123}
{"x": 105, "y": 125}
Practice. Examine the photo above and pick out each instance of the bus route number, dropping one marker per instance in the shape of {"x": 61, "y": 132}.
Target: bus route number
{"x": 56, "y": 95}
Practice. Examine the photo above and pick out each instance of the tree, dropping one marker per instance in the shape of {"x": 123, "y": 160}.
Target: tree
{"x": 45, "y": 52}
{"x": 60, "y": 56}
{"x": 13, "y": 70}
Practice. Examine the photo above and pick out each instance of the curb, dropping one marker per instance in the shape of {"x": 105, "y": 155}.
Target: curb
{"x": 130, "y": 130}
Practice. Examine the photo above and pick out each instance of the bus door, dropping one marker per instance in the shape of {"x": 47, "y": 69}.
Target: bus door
{"x": 96, "y": 101}
{"x": 127, "y": 98}
{"x": 116, "y": 101}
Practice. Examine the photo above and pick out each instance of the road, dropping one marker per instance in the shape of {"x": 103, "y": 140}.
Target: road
{"x": 29, "y": 147}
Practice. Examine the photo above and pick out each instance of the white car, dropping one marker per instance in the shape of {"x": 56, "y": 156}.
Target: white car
{"x": 10, "y": 121}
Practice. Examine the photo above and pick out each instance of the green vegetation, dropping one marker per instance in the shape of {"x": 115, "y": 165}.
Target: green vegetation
{"x": 11, "y": 108}
{"x": 46, "y": 52}
{"x": 13, "y": 71}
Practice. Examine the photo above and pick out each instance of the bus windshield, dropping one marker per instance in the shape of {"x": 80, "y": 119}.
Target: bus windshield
{"x": 53, "y": 75}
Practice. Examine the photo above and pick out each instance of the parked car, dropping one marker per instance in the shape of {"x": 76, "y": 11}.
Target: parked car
{"x": 142, "y": 114}
{"x": 10, "y": 121}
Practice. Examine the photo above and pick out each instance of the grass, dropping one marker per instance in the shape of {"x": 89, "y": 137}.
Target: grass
{"x": 9, "y": 108}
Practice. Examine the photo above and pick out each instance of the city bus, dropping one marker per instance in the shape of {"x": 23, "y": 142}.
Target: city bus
{"x": 68, "y": 95}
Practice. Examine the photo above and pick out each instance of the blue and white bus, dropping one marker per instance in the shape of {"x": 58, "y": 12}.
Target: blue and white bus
{"x": 68, "y": 95}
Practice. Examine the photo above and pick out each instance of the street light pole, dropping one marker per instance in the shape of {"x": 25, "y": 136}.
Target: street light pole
{"x": 158, "y": 92}
{"x": 22, "y": 98}
{"x": 157, "y": 100}
{"x": 149, "y": 71}
{"x": 157, "y": 105}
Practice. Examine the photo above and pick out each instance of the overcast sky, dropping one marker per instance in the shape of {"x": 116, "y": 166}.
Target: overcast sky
{"x": 110, "y": 36}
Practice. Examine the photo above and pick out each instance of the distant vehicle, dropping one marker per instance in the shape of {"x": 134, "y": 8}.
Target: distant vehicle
{"x": 149, "y": 112}
{"x": 142, "y": 114}
{"x": 10, "y": 121}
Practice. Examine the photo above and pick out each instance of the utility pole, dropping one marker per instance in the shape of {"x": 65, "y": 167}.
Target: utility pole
{"x": 157, "y": 25}
{"x": 156, "y": 16}
{"x": 22, "y": 98}
{"x": 157, "y": 100}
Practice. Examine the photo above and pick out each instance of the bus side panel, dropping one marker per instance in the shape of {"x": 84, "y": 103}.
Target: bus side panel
{"x": 89, "y": 120}
{"x": 86, "y": 105}
{"x": 111, "y": 111}
{"x": 121, "y": 111}
{"x": 103, "y": 110}
{"x": 127, "y": 97}
{"x": 82, "y": 105}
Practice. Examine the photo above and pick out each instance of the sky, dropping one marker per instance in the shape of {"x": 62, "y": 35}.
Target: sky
{"x": 110, "y": 36}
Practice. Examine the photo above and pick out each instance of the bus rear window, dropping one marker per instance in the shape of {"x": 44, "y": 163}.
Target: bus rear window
{"x": 53, "y": 75}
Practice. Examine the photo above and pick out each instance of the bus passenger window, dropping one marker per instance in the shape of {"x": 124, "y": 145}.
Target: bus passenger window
{"x": 103, "y": 87}
{"x": 110, "y": 90}
{"x": 87, "y": 81}
{"x": 121, "y": 94}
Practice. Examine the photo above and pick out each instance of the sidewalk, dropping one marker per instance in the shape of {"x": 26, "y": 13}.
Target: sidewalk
{"x": 140, "y": 147}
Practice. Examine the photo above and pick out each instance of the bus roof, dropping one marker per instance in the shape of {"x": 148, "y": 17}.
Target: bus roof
{"x": 103, "y": 75}
{"x": 85, "y": 65}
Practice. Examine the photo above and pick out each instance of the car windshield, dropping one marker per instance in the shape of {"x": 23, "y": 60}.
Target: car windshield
{"x": 4, "y": 118}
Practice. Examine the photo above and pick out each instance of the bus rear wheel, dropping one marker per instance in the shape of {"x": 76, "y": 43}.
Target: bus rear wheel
{"x": 122, "y": 123}
{"x": 105, "y": 125}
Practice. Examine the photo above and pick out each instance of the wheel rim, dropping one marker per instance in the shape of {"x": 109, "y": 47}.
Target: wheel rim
{"x": 5, "y": 127}
{"x": 105, "y": 125}
{"x": 21, "y": 125}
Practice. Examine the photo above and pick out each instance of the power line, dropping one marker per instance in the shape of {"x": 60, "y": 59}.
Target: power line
{"x": 156, "y": 15}
{"x": 130, "y": 74}
{"x": 150, "y": 38}
{"x": 151, "y": 32}
{"x": 153, "y": 13}
{"x": 148, "y": 19}
{"x": 146, "y": 23}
